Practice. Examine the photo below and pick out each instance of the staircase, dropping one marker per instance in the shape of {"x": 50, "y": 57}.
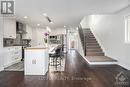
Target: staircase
{"x": 93, "y": 51}
{"x": 92, "y": 46}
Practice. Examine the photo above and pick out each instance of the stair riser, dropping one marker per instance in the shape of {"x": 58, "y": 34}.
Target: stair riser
{"x": 91, "y": 42}
{"x": 95, "y": 54}
{"x": 92, "y": 45}
{"x": 93, "y": 39}
{"x": 90, "y": 35}
{"x": 94, "y": 50}
{"x": 87, "y": 31}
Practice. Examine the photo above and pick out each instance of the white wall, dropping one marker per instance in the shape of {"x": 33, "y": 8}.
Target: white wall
{"x": 110, "y": 33}
{"x": 58, "y": 31}
{"x": 79, "y": 47}
{"x": 85, "y": 22}
{"x": 37, "y": 36}
{"x": 1, "y": 44}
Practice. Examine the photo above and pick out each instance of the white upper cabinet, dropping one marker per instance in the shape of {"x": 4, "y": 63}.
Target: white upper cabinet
{"x": 28, "y": 34}
{"x": 9, "y": 28}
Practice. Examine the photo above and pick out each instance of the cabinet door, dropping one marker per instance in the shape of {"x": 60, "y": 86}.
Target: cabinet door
{"x": 18, "y": 53}
{"x": 9, "y": 28}
{"x": 7, "y": 57}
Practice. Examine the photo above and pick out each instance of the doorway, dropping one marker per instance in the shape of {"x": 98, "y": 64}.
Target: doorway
{"x": 72, "y": 39}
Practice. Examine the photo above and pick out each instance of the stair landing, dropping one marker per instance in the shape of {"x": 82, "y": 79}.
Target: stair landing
{"x": 99, "y": 60}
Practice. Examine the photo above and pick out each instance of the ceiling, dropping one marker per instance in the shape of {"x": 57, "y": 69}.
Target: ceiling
{"x": 64, "y": 12}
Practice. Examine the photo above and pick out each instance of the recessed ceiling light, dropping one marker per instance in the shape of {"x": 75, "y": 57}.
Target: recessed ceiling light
{"x": 38, "y": 24}
{"x": 77, "y": 28}
{"x": 25, "y": 17}
{"x": 64, "y": 26}
{"x": 45, "y": 14}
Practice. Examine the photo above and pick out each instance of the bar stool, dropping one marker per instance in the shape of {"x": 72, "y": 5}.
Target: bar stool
{"x": 56, "y": 57}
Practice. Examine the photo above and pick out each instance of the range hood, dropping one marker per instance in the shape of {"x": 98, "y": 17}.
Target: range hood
{"x": 20, "y": 28}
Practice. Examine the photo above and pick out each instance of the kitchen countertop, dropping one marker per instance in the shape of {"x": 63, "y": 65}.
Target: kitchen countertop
{"x": 36, "y": 47}
{"x": 11, "y": 46}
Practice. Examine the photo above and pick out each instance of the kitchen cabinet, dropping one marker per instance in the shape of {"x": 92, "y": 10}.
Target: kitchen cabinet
{"x": 17, "y": 53}
{"x": 28, "y": 34}
{"x": 9, "y": 25}
{"x": 36, "y": 61}
{"x": 7, "y": 56}
{"x": 12, "y": 55}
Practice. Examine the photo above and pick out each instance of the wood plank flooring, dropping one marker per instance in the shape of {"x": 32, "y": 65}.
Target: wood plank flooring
{"x": 77, "y": 74}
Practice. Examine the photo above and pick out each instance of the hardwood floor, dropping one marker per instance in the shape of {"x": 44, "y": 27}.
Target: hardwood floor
{"x": 77, "y": 74}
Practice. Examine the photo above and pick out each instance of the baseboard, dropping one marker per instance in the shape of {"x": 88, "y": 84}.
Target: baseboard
{"x": 104, "y": 63}
{"x": 124, "y": 66}
{"x": 11, "y": 63}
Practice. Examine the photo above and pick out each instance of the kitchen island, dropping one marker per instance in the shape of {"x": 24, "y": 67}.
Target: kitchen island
{"x": 36, "y": 61}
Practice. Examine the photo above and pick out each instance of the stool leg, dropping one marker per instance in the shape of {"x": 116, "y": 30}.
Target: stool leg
{"x": 60, "y": 61}
{"x": 56, "y": 63}
{"x": 53, "y": 61}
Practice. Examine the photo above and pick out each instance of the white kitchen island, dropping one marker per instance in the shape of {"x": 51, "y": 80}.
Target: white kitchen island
{"x": 36, "y": 61}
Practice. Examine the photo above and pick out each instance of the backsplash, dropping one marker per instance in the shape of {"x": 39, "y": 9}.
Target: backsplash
{"x": 16, "y": 42}
{"x": 8, "y": 42}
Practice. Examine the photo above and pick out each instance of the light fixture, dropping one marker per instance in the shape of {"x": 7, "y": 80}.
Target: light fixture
{"x": 25, "y": 17}
{"x": 45, "y": 14}
{"x": 48, "y": 18}
{"x": 52, "y": 22}
{"x": 38, "y": 24}
{"x": 48, "y": 29}
{"x": 64, "y": 26}
{"x": 77, "y": 28}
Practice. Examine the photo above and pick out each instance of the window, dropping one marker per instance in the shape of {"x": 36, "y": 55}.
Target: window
{"x": 127, "y": 29}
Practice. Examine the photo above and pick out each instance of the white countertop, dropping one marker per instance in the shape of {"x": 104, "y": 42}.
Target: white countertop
{"x": 36, "y": 47}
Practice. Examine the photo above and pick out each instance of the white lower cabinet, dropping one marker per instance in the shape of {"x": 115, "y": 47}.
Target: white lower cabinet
{"x": 12, "y": 55}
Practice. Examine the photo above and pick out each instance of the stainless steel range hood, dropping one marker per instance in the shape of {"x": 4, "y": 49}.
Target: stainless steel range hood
{"x": 20, "y": 28}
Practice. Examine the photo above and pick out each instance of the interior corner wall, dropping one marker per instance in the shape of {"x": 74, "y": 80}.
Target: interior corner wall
{"x": 37, "y": 36}
{"x": 109, "y": 30}
{"x": 85, "y": 22}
